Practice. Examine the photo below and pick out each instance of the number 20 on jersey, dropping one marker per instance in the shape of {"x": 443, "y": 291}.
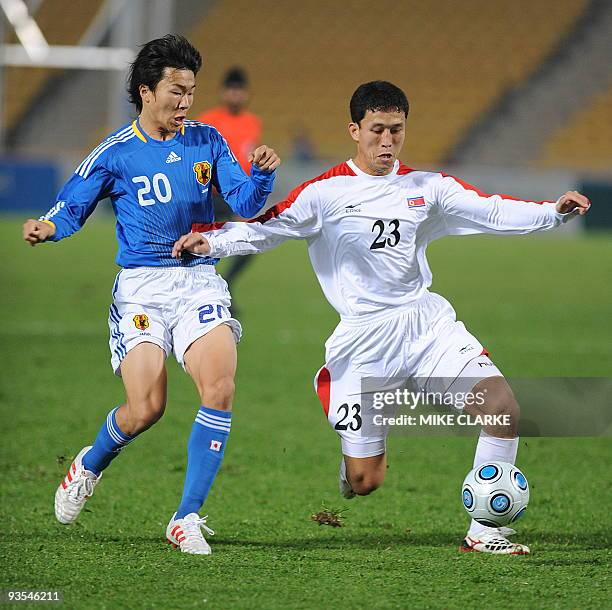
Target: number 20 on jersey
{"x": 160, "y": 186}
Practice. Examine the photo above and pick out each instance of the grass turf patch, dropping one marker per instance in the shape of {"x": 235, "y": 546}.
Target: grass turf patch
{"x": 539, "y": 305}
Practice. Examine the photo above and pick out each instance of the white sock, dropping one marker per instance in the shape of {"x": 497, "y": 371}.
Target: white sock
{"x": 492, "y": 449}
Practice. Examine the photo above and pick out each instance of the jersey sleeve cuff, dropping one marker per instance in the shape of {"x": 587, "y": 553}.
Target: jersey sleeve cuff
{"x": 561, "y": 218}
{"x": 57, "y": 230}
{"x": 264, "y": 180}
{"x": 214, "y": 246}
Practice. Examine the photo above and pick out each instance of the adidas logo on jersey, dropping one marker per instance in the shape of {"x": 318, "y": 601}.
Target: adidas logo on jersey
{"x": 172, "y": 158}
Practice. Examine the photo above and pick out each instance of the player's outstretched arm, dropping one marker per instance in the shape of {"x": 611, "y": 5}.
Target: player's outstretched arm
{"x": 37, "y": 231}
{"x": 299, "y": 216}
{"x": 74, "y": 204}
{"x": 468, "y": 210}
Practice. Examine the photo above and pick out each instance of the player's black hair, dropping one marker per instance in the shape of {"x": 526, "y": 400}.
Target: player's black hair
{"x": 171, "y": 51}
{"x": 377, "y": 95}
{"x": 235, "y": 77}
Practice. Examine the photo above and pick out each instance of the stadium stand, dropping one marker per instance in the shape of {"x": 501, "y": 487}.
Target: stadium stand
{"x": 585, "y": 142}
{"x": 62, "y": 22}
{"x": 515, "y": 130}
{"x": 307, "y": 58}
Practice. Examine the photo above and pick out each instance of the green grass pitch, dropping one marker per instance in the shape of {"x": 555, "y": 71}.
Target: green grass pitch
{"x": 542, "y": 307}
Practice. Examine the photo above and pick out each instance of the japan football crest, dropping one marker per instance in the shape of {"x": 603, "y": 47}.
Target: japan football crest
{"x": 202, "y": 170}
{"x": 141, "y": 321}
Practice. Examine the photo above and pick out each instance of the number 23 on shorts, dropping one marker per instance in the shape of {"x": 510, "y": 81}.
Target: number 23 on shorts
{"x": 349, "y": 417}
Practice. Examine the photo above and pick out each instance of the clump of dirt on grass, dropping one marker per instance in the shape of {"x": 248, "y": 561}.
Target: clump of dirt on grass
{"x": 328, "y": 516}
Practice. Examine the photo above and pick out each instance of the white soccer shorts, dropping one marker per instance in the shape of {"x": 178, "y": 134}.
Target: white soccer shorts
{"x": 169, "y": 306}
{"x": 421, "y": 341}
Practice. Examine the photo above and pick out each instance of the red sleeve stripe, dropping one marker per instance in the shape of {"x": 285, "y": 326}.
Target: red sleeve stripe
{"x": 342, "y": 169}
{"x": 471, "y": 187}
{"x": 203, "y": 227}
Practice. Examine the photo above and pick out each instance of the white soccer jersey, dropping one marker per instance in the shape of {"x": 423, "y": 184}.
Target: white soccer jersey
{"x": 367, "y": 235}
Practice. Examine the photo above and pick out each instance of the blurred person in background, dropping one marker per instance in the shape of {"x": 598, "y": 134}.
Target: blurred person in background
{"x": 303, "y": 149}
{"x": 242, "y": 130}
{"x": 158, "y": 172}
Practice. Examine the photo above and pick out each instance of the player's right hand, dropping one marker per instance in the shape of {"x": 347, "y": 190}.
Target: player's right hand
{"x": 573, "y": 201}
{"x": 265, "y": 158}
{"x": 192, "y": 242}
{"x": 36, "y": 231}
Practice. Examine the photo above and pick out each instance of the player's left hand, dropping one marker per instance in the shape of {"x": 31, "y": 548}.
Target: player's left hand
{"x": 37, "y": 231}
{"x": 192, "y": 242}
{"x": 264, "y": 158}
{"x": 573, "y": 201}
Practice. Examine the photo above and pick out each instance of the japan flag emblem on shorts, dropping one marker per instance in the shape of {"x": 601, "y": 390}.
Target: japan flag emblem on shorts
{"x": 215, "y": 445}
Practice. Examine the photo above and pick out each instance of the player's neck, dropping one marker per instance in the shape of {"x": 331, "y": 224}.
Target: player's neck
{"x": 360, "y": 162}
{"x": 154, "y": 130}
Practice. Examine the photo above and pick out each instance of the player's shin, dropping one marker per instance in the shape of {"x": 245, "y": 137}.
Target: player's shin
{"x": 205, "y": 451}
{"x": 109, "y": 442}
{"x": 492, "y": 449}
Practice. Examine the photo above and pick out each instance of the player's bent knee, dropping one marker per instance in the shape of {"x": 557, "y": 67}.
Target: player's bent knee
{"x": 220, "y": 393}
{"x": 365, "y": 486}
{"x": 364, "y": 483}
{"x": 142, "y": 416}
{"x": 365, "y": 475}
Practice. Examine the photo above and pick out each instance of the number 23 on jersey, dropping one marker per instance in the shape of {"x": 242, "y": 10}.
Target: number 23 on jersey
{"x": 381, "y": 241}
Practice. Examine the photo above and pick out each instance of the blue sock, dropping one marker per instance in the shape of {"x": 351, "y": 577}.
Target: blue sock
{"x": 205, "y": 451}
{"x": 109, "y": 442}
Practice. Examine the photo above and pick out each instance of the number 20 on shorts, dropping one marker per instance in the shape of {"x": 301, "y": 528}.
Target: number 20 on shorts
{"x": 210, "y": 313}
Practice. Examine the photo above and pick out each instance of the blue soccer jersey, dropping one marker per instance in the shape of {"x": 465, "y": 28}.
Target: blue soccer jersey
{"x": 158, "y": 190}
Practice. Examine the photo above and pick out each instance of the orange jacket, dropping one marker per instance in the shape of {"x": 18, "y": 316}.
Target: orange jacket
{"x": 242, "y": 131}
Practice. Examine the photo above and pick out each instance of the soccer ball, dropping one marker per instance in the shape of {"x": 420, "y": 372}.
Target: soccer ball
{"x": 495, "y": 494}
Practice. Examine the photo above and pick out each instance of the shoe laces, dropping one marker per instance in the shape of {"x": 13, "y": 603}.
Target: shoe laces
{"x": 80, "y": 487}
{"x": 191, "y": 527}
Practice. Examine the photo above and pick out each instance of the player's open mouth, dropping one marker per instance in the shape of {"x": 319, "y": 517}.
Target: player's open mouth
{"x": 386, "y": 156}
{"x": 179, "y": 120}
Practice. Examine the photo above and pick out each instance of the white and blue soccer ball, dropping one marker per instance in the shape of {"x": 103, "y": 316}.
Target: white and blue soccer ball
{"x": 495, "y": 494}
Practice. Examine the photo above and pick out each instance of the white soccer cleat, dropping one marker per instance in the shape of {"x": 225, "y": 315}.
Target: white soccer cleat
{"x": 74, "y": 490}
{"x": 186, "y": 534}
{"x": 494, "y": 542}
{"x": 345, "y": 487}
